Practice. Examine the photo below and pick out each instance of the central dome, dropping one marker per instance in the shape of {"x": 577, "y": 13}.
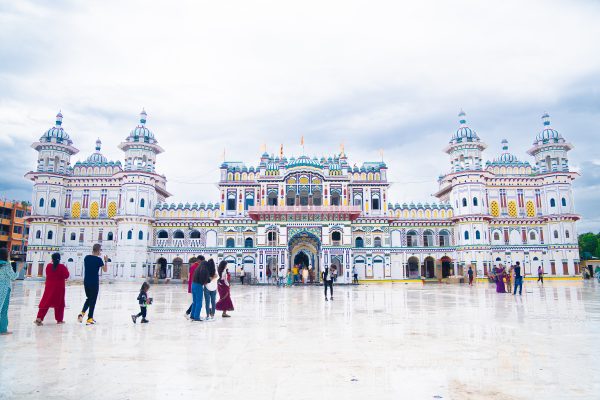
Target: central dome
{"x": 97, "y": 157}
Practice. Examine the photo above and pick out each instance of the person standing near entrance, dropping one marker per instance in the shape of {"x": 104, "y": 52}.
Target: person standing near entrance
{"x": 242, "y": 275}
{"x": 91, "y": 282}
{"x": 281, "y": 277}
{"x": 518, "y": 279}
{"x": 541, "y": 275}
{"x": 354, "y": 275}
{"x": 305, "y": 275}
{"x": 295, "y": 273}
{"x": 328, "y": 282}
{"x": 470, "y": 273}
{"x": 54, "y": 291}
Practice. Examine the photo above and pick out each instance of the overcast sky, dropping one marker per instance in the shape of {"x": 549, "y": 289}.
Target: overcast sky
{"x": 233, "y": 75}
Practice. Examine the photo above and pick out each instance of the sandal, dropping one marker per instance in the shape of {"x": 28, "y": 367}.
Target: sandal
{"x": 38, "y": 322}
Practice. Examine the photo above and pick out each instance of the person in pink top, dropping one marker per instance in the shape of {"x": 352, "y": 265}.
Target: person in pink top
{"x": 193, "y": 267}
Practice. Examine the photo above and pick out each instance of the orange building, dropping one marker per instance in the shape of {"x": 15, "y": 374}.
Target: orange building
{"x": 14, "y": 230}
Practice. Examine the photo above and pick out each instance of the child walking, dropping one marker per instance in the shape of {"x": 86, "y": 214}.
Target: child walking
{"x": 143, "y": 300}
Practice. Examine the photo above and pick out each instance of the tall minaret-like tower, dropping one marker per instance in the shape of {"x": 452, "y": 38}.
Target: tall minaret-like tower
{"x": 55, "y": 149}
{"x": 142, "y": 188}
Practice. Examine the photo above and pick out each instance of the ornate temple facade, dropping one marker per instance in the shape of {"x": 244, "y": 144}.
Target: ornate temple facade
{"x": 314, "y": 211}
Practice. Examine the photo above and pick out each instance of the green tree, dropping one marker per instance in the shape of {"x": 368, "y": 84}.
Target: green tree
{"x": 589, "y": 245}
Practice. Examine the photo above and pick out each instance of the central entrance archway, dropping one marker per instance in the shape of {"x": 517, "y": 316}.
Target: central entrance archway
{"x": 304, "y": 248}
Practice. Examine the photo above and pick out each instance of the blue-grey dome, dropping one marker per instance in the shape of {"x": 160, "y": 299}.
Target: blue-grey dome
{"x": 140, "y": 133}
{"x": 464, "y": 133}
{"x": 548, "y": 134}
{"x": 97, "y": 157}
{"x": 57, "y": 134}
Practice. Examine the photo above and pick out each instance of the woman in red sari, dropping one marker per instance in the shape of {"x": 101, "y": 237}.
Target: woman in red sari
{"x": 54, "y": 292}
{"x": 224, "y": 304}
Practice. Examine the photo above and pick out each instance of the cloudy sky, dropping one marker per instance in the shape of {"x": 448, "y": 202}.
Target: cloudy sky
{"x": 233, "y": 75}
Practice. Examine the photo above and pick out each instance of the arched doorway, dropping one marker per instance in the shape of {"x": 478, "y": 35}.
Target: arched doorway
{"x": 161, "y": 263}
{"x": 413, "y": 268}
{"x": 304, "y": 248}
{"x": 177, "y": 264}
{"x": 446, "y": 266}
{"x": 430, "y": 267}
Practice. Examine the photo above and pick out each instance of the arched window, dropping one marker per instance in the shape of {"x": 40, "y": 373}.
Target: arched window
{"x": 70, "y": 260}
{"x": 53, "y": 203}
{"x": 110, "y": 236}
{"x": 163, "y": 235}
{"x": 73, "y": 236}
{"x": 231, "y": 202}
{"x": 38, "y": 235}
{"x": 195, "y": 235}
{"x": 555, "y": 234}
{"x": 466, "y": 235}
{"x": 563, "y": 201}
{"x": 50, "y": 235}
{"x": 336, "y": 238}
{"x": 444, "y": 238}
{"x": 129, "y": 235}
{"x": 248, "y": 242}
{"x": 428, "y": 238}
{"x": 358, "y": 200}
{"x": 375, "y": 202}
{"x": 359, "y": 243}
{"x": 377, "y": 241}
{"x": 532, "y": 235}
{"x": 496, "y": 235}
{"x": 477, "y": 235}
{"x": 230, "y": 243}
{"x": 464, "y": 202}
{"x": 411, "y": 239}
{"x": 178, "y": 235}
{"x": 141, "y": 235}
{"x": 41, "y": 202}
{"x": 567, "y": 234}
{"x": 335, "y": 199}
{"x": 272, "y": 238}
{"x": 272, "y": 199}
{"x": 552, "y": 203}
{"x": 475, "y": 202}
{"x": 142, "y": 203}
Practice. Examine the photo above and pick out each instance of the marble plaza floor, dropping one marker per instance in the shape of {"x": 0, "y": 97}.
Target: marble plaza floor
{"x": 381, "y": 341}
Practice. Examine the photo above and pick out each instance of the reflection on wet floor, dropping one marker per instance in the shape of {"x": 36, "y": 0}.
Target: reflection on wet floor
{"x": 381, "y": 341}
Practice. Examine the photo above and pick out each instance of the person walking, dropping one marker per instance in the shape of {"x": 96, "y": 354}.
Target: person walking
{"x": 540, "y": 275}
{"x": 269, "y": 273}
{"x": 295, "y": 273}
{"x": 328, "y": 282}
{"x": 499, "y": 275}
{"x": 354, "y": 275}
{"x": 305, "y": 275}
{"x": 470, "y": 273}
{"x": 7, "y": 275}
{"x": 91, "y": 282}
{"x": 224, "y": 304}
{"x": 195, "y": 263}
{"x": 289, "y": 277}
{"x": 597, "y": 272}
{"x": 518, "y": 279}
{"x": 54, "y": 291}
{"x": 198, "y": 282}
{"x": 242, "y": 275}
{"x": 281, "y": 277}
{"x": 143, "y": 301}
{"x": 210, "y": 290}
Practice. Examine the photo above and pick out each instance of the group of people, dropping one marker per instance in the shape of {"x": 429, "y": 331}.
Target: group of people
{"x": 504, "y": 278}
{"x": 204, "y": 282}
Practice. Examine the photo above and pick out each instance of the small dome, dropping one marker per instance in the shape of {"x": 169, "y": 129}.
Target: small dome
{"x": 57, "y": 134}
{"x": 548, "y": 134}
{"x": 506, "y": 156}
{"x": 97, "y": 157}
{"x": 140, "y": 133}
{"x": 464, "y": 133}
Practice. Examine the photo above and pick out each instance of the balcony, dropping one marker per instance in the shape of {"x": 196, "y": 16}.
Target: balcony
{"x": 340, "y": 213}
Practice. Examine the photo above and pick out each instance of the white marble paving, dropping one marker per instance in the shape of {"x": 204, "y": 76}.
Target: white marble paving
{"x": 387, "y": 341}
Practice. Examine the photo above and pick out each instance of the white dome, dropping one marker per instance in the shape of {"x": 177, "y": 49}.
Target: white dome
{"x": 97, "y": 157}
{"x": 548, "y": 134}
{"x": 140, "y": 133}
{"x": 464, "y": 133}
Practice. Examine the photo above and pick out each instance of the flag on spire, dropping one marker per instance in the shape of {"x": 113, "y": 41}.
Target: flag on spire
{"x": 302, "y": 141}
{"x": 281, "y": 151}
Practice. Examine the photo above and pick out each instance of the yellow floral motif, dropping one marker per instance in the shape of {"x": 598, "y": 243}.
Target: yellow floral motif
{"x": 512, "y": 208}
{"x": 94, "y": 210}
{"x": 76, "y": 210}
{"x": 112, "y": 209}
{"x": 494, "y": 209}
{"x": 530, "y": 209}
